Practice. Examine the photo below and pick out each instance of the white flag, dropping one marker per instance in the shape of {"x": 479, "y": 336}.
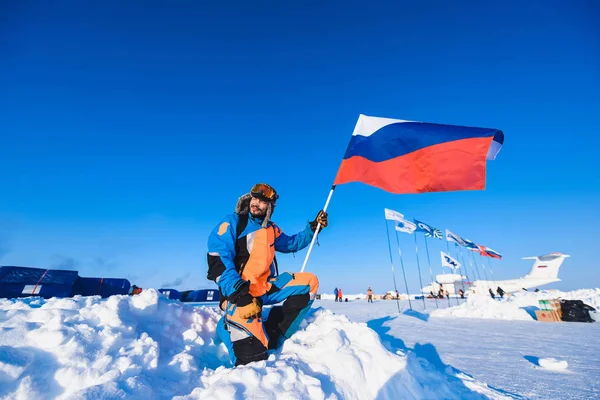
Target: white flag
{"x": 406, "y": 226}
{"x": 393, "y": 215}
{"x": 453, "y": 237}
{"x": 449, "y": 262}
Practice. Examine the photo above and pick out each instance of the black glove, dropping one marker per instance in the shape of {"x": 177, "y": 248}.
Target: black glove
{"x": 320, "y": 219}
{"x": 241, "y": 297}
{"x": 247, "y": 306}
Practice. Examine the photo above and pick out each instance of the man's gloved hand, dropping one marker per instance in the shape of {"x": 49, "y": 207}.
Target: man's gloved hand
{"x": 251, "y": 310}
{"x": 320, "y": 219}
{"x": 247, "y": 306}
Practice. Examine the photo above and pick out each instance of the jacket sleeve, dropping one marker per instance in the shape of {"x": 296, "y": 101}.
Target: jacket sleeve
{"x": 221, "y": 253}
{"x": 290, "y": 244}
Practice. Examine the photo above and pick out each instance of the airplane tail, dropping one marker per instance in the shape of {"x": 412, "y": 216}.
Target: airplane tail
{"x": 546, "y": 267}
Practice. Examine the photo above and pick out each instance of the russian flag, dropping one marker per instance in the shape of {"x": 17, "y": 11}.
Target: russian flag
{"x": 487, "y": 252}
{"x": 415, "y": 157}
{"x": 492, "y": 253}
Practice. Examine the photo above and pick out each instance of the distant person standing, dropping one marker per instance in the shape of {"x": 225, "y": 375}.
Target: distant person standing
{"x": 397, "y": 295}
{"x": 369, "y": 295}
{"x": 340, "y": 294}
{"x": 335, "y": 293}
{"x": 492, "y": 293}
{"x": 461, "y": 293}
{"x": 500, "y": 292}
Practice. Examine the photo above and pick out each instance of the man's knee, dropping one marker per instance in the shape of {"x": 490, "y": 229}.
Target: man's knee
{"x": 308, "y": 279}
{"x": 314, "y": 284}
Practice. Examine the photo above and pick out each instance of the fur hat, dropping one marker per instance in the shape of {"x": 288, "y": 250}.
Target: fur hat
{"x": 243, "y": 207}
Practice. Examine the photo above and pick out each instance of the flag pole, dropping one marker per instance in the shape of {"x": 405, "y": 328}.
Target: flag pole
{"x": 476, "y": 267}
{"x": 464, "y": 265}
{"x": 312, "y": 242}
{"x": 387, "y": 231}
{"x": 459, "y": 250}
{"x": 430, "y": 271}
{"x": 491, "y": 270}
{"x": 483, "y": 268}
{"x": 485, "y": 272}
{"x": 461, "y": 282}
{"x": 403, "y": 272}
{"x": 487, "y": 281}
{"x": 420, "y": 279}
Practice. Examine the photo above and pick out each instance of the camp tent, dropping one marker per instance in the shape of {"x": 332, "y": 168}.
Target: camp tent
{"x": 26, "y": 282}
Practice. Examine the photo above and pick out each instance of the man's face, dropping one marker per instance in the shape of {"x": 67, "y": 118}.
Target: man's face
{"x": 258, "y": 207}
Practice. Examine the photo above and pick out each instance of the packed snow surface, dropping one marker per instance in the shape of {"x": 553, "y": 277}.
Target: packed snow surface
{"x": 504, "y": 354}
{"x": 149, "y": 347}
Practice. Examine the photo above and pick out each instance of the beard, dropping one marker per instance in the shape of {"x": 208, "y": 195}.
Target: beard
{"x": 257, "y": 212}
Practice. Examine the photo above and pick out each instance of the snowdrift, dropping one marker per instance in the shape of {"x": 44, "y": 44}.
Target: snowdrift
{"x": 150, "y": 347}
{"x": 518, "y": 306}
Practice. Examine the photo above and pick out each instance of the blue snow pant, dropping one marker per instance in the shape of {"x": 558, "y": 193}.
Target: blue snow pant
{"x": 248, "y": 340}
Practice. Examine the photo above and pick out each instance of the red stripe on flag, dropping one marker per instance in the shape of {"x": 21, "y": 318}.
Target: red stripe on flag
{"x": 456, "y": 165}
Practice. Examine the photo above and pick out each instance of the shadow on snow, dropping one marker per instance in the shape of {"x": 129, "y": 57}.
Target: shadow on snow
{"x": 426, "y": 366}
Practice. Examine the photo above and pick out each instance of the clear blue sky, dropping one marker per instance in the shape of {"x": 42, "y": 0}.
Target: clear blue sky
{"x": 128, "y": 130}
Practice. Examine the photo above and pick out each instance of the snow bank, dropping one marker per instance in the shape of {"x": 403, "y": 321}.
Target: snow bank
{"x": 147, "y": 346}
{"x": 518, "y": 306}
{"x": 480, "y": 306}
{"x": 553, "y": 364}
{"x": 119, "y": 347}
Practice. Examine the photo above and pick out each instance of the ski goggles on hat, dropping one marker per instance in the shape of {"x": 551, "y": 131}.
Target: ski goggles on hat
{"x": 264, "y": 192}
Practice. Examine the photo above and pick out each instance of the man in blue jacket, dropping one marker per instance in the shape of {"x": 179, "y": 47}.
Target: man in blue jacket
{"x": 241, "y": 260}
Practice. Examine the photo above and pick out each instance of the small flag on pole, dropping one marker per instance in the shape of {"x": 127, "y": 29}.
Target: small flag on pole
{"x": 493, "y": 253}
{"x": 471, "y": 245}
{"x": 406, "y": 226}
{"x": 487, "y": 252}
{"x": 449, "y": 262}
{"x": 453, "y": 237}
{"x": 401, "y": 156}
{"x": 429, "y": 230}
{"x": 392, "y": 215}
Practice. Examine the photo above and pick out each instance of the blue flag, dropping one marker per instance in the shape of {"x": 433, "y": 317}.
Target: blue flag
{"x": 470, "y": 245}
{"x": 428, "y": 230}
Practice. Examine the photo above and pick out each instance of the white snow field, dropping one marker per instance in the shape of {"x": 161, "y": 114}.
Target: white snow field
{"x": 149, "y": 347}
{"x": 521, "y": 358}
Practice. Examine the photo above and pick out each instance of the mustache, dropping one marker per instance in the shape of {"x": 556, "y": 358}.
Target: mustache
{"x": 256, "y": 210}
